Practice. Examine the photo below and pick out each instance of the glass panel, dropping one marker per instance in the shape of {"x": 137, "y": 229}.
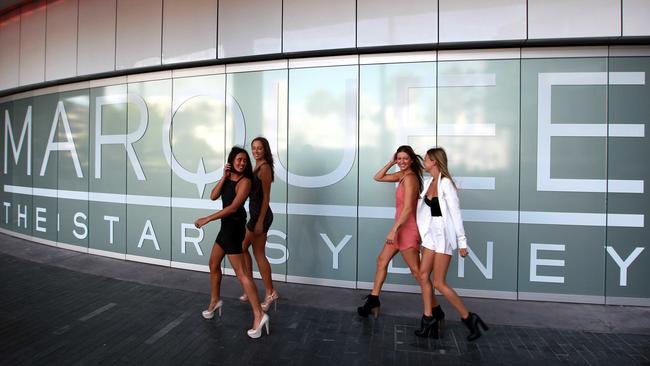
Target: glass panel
{"x": 197, "y": 150}
{"x": 258, "y": 105}
{"x": 108, "y": 169}
{"x": 45, "y": 167}
{"x": 563, "y": 173}
{"x": 397, "y": 107}
{"x": 322, "y": 174}
{"x": 148, "y": 176}
{"x": 627, "y": 262}
{"x": 478, "y": 125}
{"x": 72, "y": 127}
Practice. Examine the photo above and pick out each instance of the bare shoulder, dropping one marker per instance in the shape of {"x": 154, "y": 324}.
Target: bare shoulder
{"x": 264, "y": 170}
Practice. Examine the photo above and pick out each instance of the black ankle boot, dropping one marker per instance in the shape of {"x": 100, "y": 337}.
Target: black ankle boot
{"x": 371, "y": 306}
{"x": 472, "y": 323}
{"x": 438, "y": 313}
{"x": 429, "y": 327}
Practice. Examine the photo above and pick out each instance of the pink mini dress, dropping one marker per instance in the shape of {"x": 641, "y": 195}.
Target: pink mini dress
{"x": 408, "y": 235}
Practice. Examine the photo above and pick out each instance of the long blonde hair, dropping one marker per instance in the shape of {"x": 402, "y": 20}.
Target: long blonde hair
{"x": 439, "y": 155}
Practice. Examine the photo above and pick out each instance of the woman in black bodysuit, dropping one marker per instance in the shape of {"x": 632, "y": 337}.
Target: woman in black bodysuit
{"x": 233, "y": 188}
{"x": 261, "y": 219}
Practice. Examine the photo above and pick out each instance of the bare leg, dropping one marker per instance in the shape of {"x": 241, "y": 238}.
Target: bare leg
{"x": 259, "y": 245}
{"x": 387, "y": 253}
{"x": 426, "y": 266}
{"x": 440, "y": 267}
{"x": 412, "y": 259}
{"x": 250, "y": 289}
{"x": 247, "y": 261}
{"x": 216, "y": 256}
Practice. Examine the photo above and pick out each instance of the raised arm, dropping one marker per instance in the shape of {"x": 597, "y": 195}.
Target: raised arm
{"x": 383, "y": 176}
{"x": 216, "y": 191}
{"x": 243, "y": 188}
{"x": 265, "y": 177}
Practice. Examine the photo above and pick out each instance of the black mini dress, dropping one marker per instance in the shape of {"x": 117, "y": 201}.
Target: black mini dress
{"x": 233, "y": 226}
{"x": 255, "y": 205}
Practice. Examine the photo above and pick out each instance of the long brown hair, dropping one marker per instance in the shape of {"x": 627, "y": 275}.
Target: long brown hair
{"x": 416, "y": 162}
{"x": 268, "y": 156}
{"x": 439, "y": 155}
{"x": 236, "y": 150}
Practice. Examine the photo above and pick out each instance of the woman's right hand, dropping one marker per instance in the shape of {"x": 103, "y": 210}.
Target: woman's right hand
{"x": 226, "y": 170}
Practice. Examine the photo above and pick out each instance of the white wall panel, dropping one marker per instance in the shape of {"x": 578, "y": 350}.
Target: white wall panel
{"x": 189, "y": 30}
{"x": 318, "y": 25}
{"x": 139, "y": 32}
{"x": 636, "y": 17}
{"x": 32, "y": 43}
{"x": 573, "y": 18}
{"x": 61, "y": 39}
{"x": 96, "y": 44}
{"x": 10, "y": 46}
{"x": 382, "y": 23}
{"x": 252, "y": 27}
{"x": 470, "y": 20}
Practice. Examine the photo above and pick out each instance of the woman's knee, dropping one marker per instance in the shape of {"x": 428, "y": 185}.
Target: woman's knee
{"x": 423, "y": 277}
{"x": 214, "y": 266}
{"x": 382, "y": 263}
{"x": 439, "y": 284}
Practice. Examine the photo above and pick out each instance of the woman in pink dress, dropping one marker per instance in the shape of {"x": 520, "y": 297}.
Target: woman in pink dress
{"x": 403, "y": 236}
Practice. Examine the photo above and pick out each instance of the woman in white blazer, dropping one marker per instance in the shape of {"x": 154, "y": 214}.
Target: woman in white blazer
{"x": 441, "y": 229}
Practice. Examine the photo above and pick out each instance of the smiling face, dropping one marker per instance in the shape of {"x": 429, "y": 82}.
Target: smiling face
{"x": 239, "y": 163}
{"x": 404, "y": 161}
{"x": 258, "y": 150}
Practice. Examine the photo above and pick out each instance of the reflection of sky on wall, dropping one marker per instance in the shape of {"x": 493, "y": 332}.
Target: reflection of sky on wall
{"x": 198, "y": 131}
{"x": 322, "y": 115}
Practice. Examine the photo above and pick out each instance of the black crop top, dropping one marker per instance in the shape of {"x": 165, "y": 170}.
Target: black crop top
{"x": 434, "y": 205}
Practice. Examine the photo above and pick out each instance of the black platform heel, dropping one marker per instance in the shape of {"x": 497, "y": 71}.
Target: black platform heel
{"x": 472, "y": 323}
{"x": 428, "y": 327}
{"x": 371, "y": 306}
{"x": 440, "y": 318}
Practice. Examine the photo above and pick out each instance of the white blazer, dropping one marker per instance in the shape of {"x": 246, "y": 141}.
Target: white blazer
{"x": 450, "y": 208}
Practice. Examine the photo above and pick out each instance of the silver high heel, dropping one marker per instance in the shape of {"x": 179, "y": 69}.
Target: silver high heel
{"x": 207, "y": 314}
{"x": 256, "y": 333}
{"x": 243, "y": 298}
{"x": 271, "y": 299}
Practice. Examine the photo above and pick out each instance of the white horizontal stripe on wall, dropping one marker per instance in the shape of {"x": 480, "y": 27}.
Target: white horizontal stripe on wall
{"x": 523, "y": 217}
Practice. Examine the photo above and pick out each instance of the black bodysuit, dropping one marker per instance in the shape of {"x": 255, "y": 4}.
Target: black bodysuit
{"x": 255, "y": 205}
{"x": 434, "y": 205}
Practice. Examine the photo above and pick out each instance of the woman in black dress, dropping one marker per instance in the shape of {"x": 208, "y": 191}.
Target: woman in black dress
{"x": 233, "y": 188}
{"x": 261, "y": 219}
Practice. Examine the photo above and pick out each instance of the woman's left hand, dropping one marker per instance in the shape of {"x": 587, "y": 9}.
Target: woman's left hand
{"x": 259, "y": 228}
{"x": 463, "y": 252}
{"x": 390, "y": 238}
{"x": 200, "y": 222}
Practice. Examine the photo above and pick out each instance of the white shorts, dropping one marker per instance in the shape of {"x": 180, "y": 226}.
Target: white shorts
{"x": 436, "y": 238}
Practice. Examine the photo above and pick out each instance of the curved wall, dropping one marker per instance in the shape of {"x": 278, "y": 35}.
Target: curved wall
{"x": 546, "y": 142}
{"x": 547, "y": 145}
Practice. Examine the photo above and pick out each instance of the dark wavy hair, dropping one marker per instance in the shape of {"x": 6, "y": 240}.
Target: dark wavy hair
{"x": 236, "y": 150}
{"x": 416, "y": 162}
{"x": 268, "y": 156}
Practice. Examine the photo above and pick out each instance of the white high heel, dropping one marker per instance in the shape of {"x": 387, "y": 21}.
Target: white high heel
{"x": 243, "y": 298}
{"x": 207, "y": 314}
{"x": 271, "y": 299}
{"x": 256, "y": 333}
